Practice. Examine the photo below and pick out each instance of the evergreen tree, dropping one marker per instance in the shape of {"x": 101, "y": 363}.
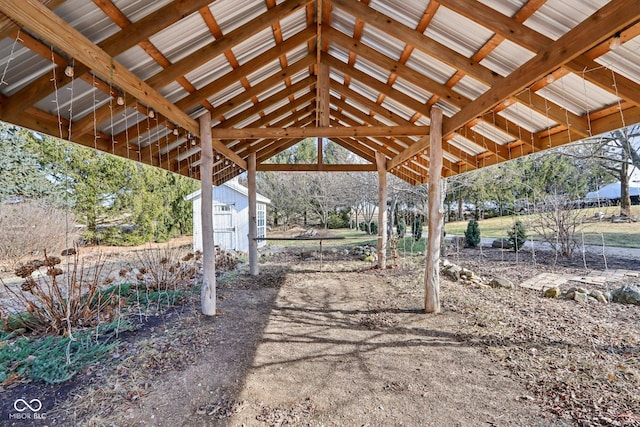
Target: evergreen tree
{"x": 517, "y": 235}
{"x": 472, "y": 234}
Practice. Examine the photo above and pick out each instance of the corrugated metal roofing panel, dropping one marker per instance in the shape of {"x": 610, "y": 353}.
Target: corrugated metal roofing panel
{"x": 226, "y": 94}
{"x": 506, "y": 57}
{"x": 394, "y": 106}
{"x": 470, "y": 87}
{"x": 624, "y": 60}
{"x": 271, "y": 91}
{"x": 423, "y": 121}
{"x": 342, "y": 21}
{"x": 525, "y": 117}
{"x": 412, "y": 90}
{"x": 266, "y": 71}
{"x": 238, "y": 109}
{"x": 493, "y": 133}
{"x": 430, "y": 67}
{"x": 408, "y": 12}
{"x": 300, "y": 76}
{"x": 182, "y": 38}
{"x": 293, "y": 24}
{"x": 457, "y": 32}
{"x": 246, "y": 122}
{"x": 87, "y": 18}
{"x": 556, "y": 17}
{"x": 138, "y": 9}
{"x": 19, "y": 68}
{"x": 363, "y": 90}
{"x": 577, "y": 95}
{"x": 353, "y": 117}
{"x": 75, "y": 100}
{"x": 450, "y": 157}
{"x": 210, "y": 71}
{"x": 466, "y": 145}
{"x": 173, "y": 92}
{"x": 372, "y": 70}
{"x": 277, "y": 105}
{"x": 382, "y": 42}
{"x": 338, "y": 52}
{"x": 230, "y": 14}
{"x": 122, "y": 121}
{"x": 448, "y": 110}
{"x": 139, "y": 62}
{"x": 508, "y": 8}
{"x": 297, "y": 53}
{"x": 383, "y": 120}
{"x": 254, "y": 46}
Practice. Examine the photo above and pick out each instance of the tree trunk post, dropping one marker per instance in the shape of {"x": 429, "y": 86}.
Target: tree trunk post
{"x": 382, "y": 210}
{"x": 208, "y": 292}
{"x": 253, "y": 213}
{"x": 432, "y": 269}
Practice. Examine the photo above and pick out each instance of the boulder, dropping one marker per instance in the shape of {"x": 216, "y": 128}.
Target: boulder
{"x": 581, "y": 296}
{"x": 599, "y": 296}
{"x": 552, "y": 292}
{"x": 627, "y": 294}
{"x": 501, "y": 282}
{"x": 502, "y": 244}
{"x": 453, "y": 272}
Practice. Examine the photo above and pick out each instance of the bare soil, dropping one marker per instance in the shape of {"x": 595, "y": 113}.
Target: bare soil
{"x": 345, "y": 344}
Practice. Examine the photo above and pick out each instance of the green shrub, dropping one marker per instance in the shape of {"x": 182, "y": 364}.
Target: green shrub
{"x": 374, "y": 228}
{"x": 337, "y": 221}
{"x": 416, "y": 229}
{"x": 402, "y": 228}
{"x": 517, "y": 235}
{"x": 472, "y": 234}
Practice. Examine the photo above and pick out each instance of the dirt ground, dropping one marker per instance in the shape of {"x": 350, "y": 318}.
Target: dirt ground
{"x": 345, "y": 344}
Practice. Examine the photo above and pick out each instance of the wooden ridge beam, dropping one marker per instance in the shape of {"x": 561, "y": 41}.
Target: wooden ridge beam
{"x": 314, "y": 167}
{"x": 372, "y": 131}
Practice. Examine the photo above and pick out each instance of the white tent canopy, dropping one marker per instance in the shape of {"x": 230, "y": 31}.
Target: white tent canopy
{"x": 612, "y": 191}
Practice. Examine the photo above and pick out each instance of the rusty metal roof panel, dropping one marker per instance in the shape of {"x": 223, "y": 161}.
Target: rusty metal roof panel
{"x": 231, "y": 14}
{"x": 577, "y": 95}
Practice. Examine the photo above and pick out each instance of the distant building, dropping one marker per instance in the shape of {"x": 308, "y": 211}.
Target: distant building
{"x": 612, "y": 193}
{"x": 230, "y": 217}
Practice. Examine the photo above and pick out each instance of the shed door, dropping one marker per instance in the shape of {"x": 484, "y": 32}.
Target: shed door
{"x": 224, "y": 229}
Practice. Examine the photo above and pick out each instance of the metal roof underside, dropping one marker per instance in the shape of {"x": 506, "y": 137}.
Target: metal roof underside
{"x": 512, "y": 77}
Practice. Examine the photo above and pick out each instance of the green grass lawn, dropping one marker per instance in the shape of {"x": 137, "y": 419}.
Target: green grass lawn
{"x": 594, "y": 232}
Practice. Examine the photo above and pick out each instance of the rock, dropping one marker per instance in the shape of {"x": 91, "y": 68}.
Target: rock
{"x": 445, "y": 262}
{"x": 482, "y": 286}
{"x": 502, "y": 244}
{"x": 582, "y": 291}
{"x": 467, "y": 273}
{"x": 501, "y": 282}
{"x": 581, "y": 296}
{"x": 453, "y": 272}
{"x": 599, "y": 296}
{"x": 552, "y": 292}
{"x": 627, "y": 294}
{"x": 369, "y": 258}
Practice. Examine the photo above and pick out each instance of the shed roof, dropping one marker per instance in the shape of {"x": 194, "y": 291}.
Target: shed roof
{"x": 234, "y": 185}
{"x": 512, "y": 77}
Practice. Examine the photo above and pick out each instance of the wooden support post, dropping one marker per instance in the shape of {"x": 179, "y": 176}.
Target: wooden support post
{"x": 382, "y": 210}
{"x": 208, "y": 292}
{"x": 432, "y": 269}
{"x": 253, "y": 213}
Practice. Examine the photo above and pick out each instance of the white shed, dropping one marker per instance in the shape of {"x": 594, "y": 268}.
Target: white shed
{"x": 230, "y": 217}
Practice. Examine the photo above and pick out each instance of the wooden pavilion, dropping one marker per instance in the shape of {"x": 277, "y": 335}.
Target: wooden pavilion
{"x": 421, "y": 89}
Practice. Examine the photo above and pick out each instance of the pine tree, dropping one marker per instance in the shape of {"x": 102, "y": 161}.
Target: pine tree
{"x": 472, "y": 234}
{"x": 517, "y": 235}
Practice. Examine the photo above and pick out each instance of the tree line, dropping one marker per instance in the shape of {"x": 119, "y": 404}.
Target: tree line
{"x": 117, "y": 201}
